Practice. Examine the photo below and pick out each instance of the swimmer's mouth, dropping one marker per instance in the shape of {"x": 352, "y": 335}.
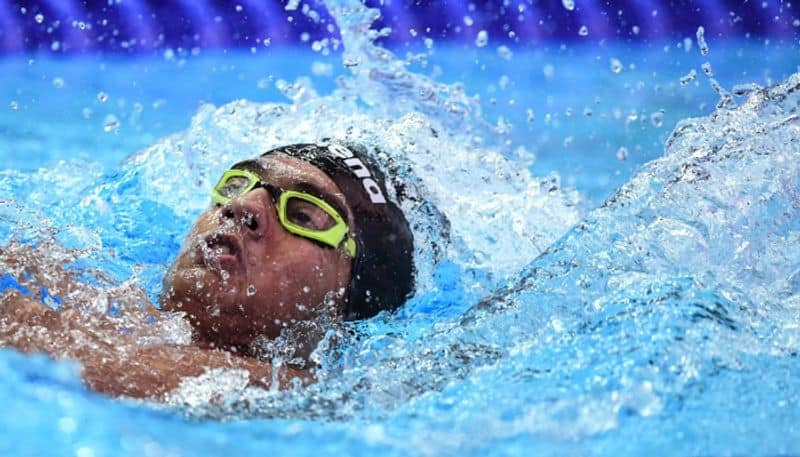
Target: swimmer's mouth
{"x": 221, "y": 250}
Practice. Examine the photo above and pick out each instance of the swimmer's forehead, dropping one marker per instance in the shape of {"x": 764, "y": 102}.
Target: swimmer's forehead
{"x": 292, "y": 173}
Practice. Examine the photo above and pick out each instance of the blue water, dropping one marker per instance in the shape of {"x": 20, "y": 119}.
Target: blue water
{"x": 662, "y": 321}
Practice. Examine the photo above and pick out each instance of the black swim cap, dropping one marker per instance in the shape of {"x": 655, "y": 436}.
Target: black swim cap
{"x": 383, "y": 270}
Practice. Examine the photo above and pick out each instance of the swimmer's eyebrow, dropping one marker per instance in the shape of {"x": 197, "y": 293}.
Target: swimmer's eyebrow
{"x": 302, "y": 186}
{"x": 250, "y": 165}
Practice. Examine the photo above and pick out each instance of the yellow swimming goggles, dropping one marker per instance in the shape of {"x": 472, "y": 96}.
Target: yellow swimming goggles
{"x": 299, "y": 213}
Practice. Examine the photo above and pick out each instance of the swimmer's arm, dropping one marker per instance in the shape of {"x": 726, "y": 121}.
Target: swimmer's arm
{"x": 154, "y": 371}
{"x": 24, "y": 261}
{"x": 20, "y": 319}
{"x": 127, "y": 369}
{"x": 34, "y": 268}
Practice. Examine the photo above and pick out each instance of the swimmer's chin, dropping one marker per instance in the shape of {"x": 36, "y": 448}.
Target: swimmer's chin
{"x": 206, "y": 285}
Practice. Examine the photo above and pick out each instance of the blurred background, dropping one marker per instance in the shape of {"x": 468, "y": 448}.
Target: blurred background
{"x": 629, "y": 347}
{"x": 140, "y": 26}
{"x": 590, "y": 88}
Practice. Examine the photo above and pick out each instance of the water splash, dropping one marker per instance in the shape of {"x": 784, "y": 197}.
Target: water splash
{"x": 701, "y": 40}
{"x": 431, "y": 136}
{"x": 684, "y": 281}
{"x": 676, "y": 275}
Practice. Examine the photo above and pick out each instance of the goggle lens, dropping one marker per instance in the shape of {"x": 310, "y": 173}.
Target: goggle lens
{"x": 307, "y": 215}
{"x": 234, "y": 186}
{"x": 300, "y": 213}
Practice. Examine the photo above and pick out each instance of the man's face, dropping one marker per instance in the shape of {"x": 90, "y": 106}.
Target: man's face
{"x": 240, "y": 274}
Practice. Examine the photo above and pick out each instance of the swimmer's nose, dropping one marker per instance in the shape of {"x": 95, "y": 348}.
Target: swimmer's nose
{"x": 249, "y": 212}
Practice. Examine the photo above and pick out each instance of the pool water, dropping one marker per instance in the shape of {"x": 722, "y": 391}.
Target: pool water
{"x": 621, "y": 272}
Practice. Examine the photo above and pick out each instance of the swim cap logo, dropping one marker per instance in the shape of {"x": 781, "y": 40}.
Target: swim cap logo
{"x": 360, "y": 171}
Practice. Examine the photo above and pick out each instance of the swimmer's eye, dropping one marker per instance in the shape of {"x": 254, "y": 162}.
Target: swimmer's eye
{"x": 308, "y": 215}
{"x": 234, "y": 186}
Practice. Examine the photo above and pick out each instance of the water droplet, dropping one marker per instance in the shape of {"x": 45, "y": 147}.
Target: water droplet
{"x": 306, "y": 289}
{"x": 688, "y": 77}
{"x": 110, "y": 123}
{"x": 568, "y": 141}
{"x": 23, "y": 10}
{"x": 58, "y": 82}
{"x": 39, "y": 18}
{"x": 428, "y": 43}
{"x": 322, "y": 69}
{"x": 291, "y": 5}
{"x": 745, "y": 89}
{"x": 482, "y": 39}
{"x": 530, "y": 115}
{"x": 102, "y": 97}
{"x": 796, "y": 22}
{"x": 350, "y": 60}
{"x": 84, "y": 451}
{"x": 707, "y": 69}
{"x": 584, "y": 31}
{"x": 503, "y": 82}
{"x": 251, "y": 290}
{"x": 587, "y": 112}
{"x": 86, "y": 113}
{"x": 504, "y": 52}
{"x": 622, "y": 153}
{"x": 67, "y": 425}
{"x": 657, "y": 118}
{"x": 569, "y": 5}
{"x": 615, "y": 65}
{"x": 635, "y": 29}
{"x": 55, "y": 46}
{"x": 214, "y": 308}
{"x": 266, "y": 41}
{"x": 687, "y": 44}
{"x": 238, "y": 8}
{"x": 701, "y": 40}
{"x": 549, "y": 71}
{"x": 13, "y": 105}
{"x": 468, "y": 21}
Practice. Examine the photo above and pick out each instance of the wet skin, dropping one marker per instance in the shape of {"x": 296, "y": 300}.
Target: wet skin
{"x": 240, "y": 275}
{"x": 294, "y": 281}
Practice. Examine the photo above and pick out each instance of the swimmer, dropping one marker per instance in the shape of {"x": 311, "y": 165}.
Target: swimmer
{"x": 294, "y": 242}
